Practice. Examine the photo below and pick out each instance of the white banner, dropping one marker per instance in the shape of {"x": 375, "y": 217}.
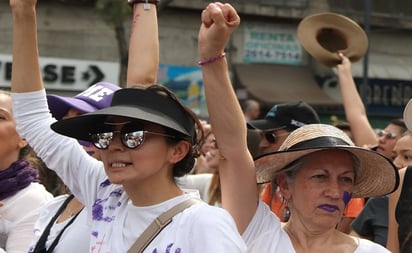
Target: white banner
{"x": 66, "y": 74}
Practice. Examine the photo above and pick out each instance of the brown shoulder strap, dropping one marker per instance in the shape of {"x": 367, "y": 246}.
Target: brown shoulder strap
{"x": 157, "y": 225}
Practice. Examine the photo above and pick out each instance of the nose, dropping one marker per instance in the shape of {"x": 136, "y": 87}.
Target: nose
{"x": 398, "y": 163}
{"x": 116, "y": 143}
{"x": 334, "y": 190}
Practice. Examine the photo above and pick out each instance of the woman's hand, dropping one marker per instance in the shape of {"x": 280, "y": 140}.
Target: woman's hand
{"x": 218, "y": 22}
{"x": 345, "y": 65}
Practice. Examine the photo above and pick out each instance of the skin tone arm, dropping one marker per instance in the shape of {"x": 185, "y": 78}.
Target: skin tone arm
{"x": 143, "y": 62}
{"x": 355, "y": 112}
{"x": 26, "y": 74}
{"x": 236, "y": 168}
{"x": 25, "y": 49}
{"x": 392, "y": 243}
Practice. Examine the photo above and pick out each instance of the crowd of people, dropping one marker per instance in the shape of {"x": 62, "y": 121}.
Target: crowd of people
{"x": 135, "y": 170}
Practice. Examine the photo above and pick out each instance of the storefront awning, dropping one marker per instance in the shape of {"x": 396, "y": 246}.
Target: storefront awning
{"x": 274, "y": 84}
{"x": 385, "y": 66}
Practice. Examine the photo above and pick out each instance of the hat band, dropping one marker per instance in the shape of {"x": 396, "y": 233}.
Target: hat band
{"x": 319, "y": 142}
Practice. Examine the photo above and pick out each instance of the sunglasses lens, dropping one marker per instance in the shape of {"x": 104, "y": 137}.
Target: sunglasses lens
{"x": 102, "y": 140}
{"x": 133, "y": 139}
{"x": 270, "y": 137}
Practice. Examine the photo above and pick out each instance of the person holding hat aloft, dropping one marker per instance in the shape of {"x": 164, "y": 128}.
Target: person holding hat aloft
{"x": 335, "y": 40}
{"x": 318, "y": 168}
{"x": 146, "y": 137}
{"x": 400, "y": 223}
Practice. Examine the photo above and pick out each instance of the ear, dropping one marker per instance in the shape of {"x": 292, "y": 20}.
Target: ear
{"x": 284, "y": 187}
{"x": 179, "y": 151}
{"x": 22, "y": 143}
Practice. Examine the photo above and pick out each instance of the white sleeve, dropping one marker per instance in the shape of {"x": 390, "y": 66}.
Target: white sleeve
{"x": 79, "y": 171}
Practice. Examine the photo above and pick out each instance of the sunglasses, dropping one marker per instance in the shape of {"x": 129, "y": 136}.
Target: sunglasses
{"x": 131, "y": 135}
{"x": 388, "y": 135}
{"x": 271, "y": 136}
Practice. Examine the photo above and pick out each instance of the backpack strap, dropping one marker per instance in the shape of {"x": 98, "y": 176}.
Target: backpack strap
{"x": 158, "y": 225}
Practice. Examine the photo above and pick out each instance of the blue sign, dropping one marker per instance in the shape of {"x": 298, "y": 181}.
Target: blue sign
{"x": 187, "y": 84}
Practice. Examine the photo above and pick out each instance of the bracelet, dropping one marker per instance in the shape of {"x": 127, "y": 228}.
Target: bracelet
{"x": 146, "y": 3}
{"x": 211, "y": 60}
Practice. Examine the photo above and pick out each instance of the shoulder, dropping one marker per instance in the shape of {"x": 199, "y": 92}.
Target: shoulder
{"x": 365, "y": 246}
{"x": 35, "y": 193}
{"x": 203, "y": 212}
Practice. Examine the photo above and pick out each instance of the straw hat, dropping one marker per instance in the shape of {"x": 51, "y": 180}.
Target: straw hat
{"x": 407, "y": 115}
{"x": 325, "y": 34}
{"x": 376, "y": 176}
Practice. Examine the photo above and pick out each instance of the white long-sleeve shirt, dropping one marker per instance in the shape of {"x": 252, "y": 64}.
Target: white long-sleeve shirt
{"x": 115, "y": 222}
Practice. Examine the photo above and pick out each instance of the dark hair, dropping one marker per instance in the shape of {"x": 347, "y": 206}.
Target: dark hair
{"x": 400, "y": 123}
{"x": 342, "y": 125}
{"x": 48, "y": 177}
{"x": 185, "y": 165}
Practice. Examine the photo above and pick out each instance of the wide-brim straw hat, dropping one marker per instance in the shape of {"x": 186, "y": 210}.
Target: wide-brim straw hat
{"x": 323, "y": 35}
{"x": 376, "y": 176}
{"x": 407, "y": 115}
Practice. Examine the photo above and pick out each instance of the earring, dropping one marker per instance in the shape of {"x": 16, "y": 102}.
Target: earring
{"x": 286, "y": 211}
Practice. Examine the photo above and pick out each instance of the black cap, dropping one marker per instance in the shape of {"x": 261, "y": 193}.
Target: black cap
{"x": 289, "y": 115}
{"x": 135, "y": 103}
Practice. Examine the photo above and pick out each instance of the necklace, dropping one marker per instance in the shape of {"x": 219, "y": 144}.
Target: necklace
{"x": 72, "y": 208}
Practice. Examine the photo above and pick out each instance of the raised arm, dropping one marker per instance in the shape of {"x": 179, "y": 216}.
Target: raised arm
{"x": 26, "y": 74}
{"x": 237, "y": 172}
{"x": 355, "y": 111}
{"x": 143, "y": 46}
{"x": 392, "y": 243}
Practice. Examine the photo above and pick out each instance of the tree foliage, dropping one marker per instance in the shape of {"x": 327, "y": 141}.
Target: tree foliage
{"x": 114, "y": 13}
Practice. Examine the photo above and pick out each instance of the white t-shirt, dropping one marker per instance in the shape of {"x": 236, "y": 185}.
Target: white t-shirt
{"x": 115, "y": 222}
{"x": 200, "y": 182}
{"x": 18, "y": 215}
{"x": 78, "y": 231}
{"x": 265, "y": 234}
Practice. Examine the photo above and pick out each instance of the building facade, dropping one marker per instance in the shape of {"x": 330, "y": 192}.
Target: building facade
{"x": 267, "y": 62}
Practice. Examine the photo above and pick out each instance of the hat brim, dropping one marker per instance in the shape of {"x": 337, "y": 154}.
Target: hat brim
{"x": 82, "y": 126}
{"x": 355, "y": 37}
{"x": 264, "y": 125}
{"x": 59, "y": 106}
{"x": 377, "y": 175}
{"x": 407, "y": 115}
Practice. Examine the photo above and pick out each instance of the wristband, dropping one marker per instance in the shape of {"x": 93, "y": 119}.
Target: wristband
{"x": 213, "y": 59}
{"x": 145, "y": 2}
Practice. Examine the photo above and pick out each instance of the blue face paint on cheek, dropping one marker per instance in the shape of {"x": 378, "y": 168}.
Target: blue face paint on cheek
{"x": 346, "y": 197}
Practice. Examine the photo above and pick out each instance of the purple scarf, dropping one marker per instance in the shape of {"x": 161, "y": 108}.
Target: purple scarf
{"x": 18, "y": 176}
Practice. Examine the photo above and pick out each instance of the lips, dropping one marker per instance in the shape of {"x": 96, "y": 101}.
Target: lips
{"x": 329, "y": 208}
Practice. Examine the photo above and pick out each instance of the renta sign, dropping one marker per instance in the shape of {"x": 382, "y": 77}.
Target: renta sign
{"x": 66, "y": 74}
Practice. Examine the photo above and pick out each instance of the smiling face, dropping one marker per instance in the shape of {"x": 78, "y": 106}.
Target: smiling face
{"x": 150, "y": 162}
{"x": 316, "y": 196}
{"x": 10, "y": 140}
